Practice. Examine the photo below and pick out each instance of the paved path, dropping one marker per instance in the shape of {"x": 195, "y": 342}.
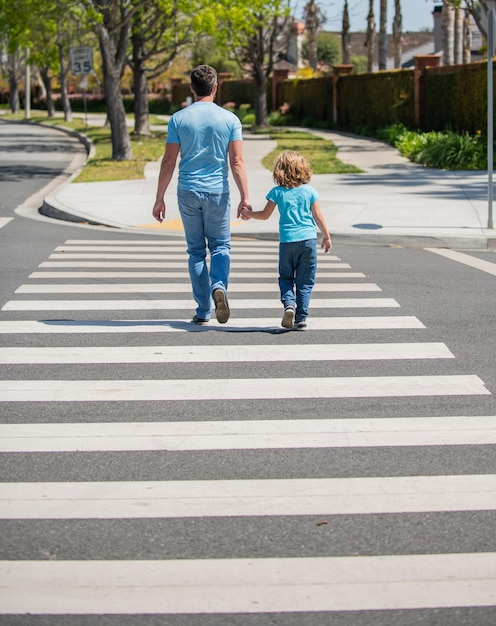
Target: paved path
{"x": 392, "y": 201}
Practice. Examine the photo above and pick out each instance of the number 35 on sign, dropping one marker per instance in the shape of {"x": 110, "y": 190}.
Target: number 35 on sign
{"x": 81, "y": 60}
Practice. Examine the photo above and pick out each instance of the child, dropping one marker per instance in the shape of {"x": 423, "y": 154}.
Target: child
{"x": 299, "y": 212}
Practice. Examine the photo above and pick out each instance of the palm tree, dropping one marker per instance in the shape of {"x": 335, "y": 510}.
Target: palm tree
{"x": 448, "y": 26}
{"x": 397, "y": 33}
{"x": 369, "y": 41}
{"x": 383, "y": 35}
{"x": 345, "y": 34}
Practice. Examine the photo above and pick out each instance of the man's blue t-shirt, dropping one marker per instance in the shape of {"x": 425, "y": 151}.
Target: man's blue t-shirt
{"x": 296, "y": 221}
{"x": 204, "y": 130}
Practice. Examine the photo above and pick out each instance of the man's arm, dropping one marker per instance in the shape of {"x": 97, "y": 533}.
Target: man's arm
{"x": 166, "y": 170}
{"x": 238, "y": 168}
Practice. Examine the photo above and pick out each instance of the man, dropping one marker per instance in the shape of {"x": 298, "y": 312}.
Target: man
{"x": 207, "y": 137}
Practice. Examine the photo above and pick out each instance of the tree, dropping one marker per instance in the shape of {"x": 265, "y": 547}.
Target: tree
{"x": 14, "y": 40}
{"x": 383, "y": 35}
{"x": 328, "y": 49}
{"x": 311, "y": 25}
{"x": 253, "y": 33}
{"x": 478, "y": 9}
{"x": 369, "y": 40}
{"x": 345, "y": 35}
{"x": 448, "y": 28}
{"x": 111, "y": 21}
{"x": 159, "y": 30}
{"x": 397, "y": 33}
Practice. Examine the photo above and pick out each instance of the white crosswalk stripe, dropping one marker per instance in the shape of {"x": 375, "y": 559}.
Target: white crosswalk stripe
{"x": 244, "y": 435}
{"x": 181, "y": 288}
{"x": 249, "y": 585}
{"x": 73, "y": 375}
{"x": 169, "y": 305}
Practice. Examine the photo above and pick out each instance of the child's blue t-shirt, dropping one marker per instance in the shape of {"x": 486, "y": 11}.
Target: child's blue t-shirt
{"x": 204, "y": 130}
{"x": 296, "y": 221}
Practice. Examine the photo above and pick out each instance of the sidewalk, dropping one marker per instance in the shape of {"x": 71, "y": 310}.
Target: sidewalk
{"x": 393, "y": 201}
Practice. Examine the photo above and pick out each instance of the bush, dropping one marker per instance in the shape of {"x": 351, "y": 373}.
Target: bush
{"x": 442, "y": 150}
{"x": 249, "y": 119}
{"x": 454, "y": 152}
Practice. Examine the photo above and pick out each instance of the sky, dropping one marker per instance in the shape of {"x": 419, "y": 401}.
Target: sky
{"x": 416, "y": 14}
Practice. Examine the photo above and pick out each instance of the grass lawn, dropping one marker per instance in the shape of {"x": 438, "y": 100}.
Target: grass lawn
{"x": 320, "y": 152}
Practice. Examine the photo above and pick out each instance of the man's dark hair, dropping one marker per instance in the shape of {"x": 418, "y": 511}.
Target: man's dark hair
{"x": 203, "y": 80}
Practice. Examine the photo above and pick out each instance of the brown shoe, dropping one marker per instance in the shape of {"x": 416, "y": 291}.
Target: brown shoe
{"x": 222, "y": 311}
{"x": 288, "y": 317}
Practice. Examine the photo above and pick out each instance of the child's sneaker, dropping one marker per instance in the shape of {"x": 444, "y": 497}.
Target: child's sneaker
{"x": 288, "y": 317}
{"x": 300, "y": 325}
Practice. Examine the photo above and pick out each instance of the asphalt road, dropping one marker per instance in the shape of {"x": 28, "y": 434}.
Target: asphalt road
{"x": 243, "y": 413}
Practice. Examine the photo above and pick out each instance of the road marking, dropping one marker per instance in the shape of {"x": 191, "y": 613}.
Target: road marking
{"x": 162, "y": 242}
{"x": 220, "y": 498}
{"x": 153, "y": 247}
{"x": 183, "y": 287}
{"x": 260, "y": 585}
{"x": 248, "y": 434}
{"x": 238, "y": 389}
{"x": 4, "y": 221}
{"x": 184, "y": 274}
{"x": 235, "y": 256}
{"x": 240, "y": 325}
{"x": 168, "y": 305}
{"x": 230, "y": 354}
{"x": 166, "y": 265}
{"x": 466, "y": 259}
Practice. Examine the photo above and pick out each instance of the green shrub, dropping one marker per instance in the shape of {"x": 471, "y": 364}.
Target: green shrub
{"x": 278, "y": 119}
{"x": 442, "y": 150}
{"x": 454, "y": 152}
{"x": 249, "y": 119}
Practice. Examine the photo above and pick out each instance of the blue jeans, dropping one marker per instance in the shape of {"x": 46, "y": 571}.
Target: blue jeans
{"x": 297, "y": 269}
{"x": 206, "y": 221}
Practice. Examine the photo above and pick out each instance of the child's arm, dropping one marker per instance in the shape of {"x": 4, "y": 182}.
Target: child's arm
{"x": 320, "y": 221}
{"x": 259, "y": 215}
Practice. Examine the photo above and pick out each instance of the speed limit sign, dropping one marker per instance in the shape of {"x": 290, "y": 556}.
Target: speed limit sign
{"x": 81, "y": 60}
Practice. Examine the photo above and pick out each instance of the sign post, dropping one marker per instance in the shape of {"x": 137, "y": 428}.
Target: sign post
{"x": 490, "y": 119}
{"x": 81, "y": 65}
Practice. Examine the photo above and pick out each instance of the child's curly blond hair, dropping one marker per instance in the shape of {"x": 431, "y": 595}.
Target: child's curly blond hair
{"x": 291, "y": 169}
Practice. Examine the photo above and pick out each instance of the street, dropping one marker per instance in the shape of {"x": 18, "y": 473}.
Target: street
{"x": 158, "y": 472}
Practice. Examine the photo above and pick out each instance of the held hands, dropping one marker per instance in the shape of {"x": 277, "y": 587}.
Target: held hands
{"x": 159, "y": 210}
{"x": 326, "y": 244}
{"x": 244, "y": 210}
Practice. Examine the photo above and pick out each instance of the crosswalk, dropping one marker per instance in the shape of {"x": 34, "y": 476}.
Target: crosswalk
{"x": 152, "y": 467}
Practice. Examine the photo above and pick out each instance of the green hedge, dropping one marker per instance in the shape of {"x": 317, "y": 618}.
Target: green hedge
{"x": 310, "y": 101}
{"x": 457, "y": 100}
{"x": 376, "y": 100}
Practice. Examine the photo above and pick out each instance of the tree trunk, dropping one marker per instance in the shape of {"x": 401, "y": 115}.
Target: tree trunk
{"x": 13, "y": 72}
{"x": 467, "y": 38}
{"x": 121, "y": 142}
{"x": 369, "y": 41}
{"x": 448, "y": 26}
{"x": 311, "y": 24}
{"x": 14, "y": 102}
{"x": 140, "y": 88}
{"x": 47, "y": 82}
{"x": 458, "y": 42}
{"x": 383, "y": 35}
{"x": 345, "y": 35}
{"x": 260, "y": 95}
{"x": 397, "y": 34}
{"x": 141, "y": 110}
{"x": 66, "y": 103}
